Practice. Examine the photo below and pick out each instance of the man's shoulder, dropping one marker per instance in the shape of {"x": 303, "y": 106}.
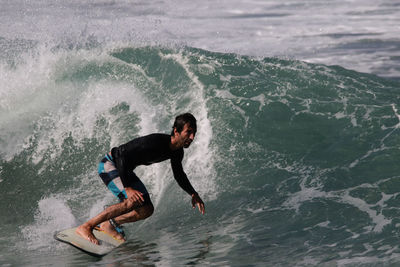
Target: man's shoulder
{"x": 150, "y": 139}
{"x": 157, "y": 137}
{"x": 155, "y": 140}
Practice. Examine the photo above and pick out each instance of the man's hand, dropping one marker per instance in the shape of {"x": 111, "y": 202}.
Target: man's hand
{"x": 196, "y": 200}
{"x": 134, "y": 195}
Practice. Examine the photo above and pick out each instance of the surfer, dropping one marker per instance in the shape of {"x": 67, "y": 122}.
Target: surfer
{"x": 116, "y": 171}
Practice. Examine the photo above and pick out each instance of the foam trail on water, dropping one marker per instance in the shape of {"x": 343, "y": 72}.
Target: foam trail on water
{"x": 309, "y": 194}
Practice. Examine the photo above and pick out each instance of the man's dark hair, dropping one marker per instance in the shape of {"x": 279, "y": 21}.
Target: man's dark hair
{"x": 181, "y": 120}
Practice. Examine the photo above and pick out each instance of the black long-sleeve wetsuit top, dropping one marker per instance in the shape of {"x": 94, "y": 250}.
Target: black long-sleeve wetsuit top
{"x": 147, "y": 150}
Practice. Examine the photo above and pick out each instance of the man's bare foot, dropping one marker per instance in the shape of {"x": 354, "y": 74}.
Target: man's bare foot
{"x": 109, "y": 229}
{"x": 86, "y": 232}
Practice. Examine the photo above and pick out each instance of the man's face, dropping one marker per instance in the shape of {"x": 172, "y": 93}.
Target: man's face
{"x": 185, "y": 137}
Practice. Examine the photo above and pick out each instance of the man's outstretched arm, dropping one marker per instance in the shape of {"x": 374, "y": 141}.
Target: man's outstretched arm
{"x": 182, "y": 180}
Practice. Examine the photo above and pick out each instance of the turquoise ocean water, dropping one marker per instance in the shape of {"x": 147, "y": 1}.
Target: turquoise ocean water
{"x": 296, "y": 157}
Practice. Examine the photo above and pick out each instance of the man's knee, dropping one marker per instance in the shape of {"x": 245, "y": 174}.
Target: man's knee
{"x": 131, "y": 204}
{"x": 140, "y": 213}
{"x": 146, "y": 211}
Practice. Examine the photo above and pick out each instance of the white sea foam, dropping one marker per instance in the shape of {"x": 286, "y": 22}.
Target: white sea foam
{"x": 27, "y": 93}
{"x": 199, "y": 162}
{"x": 53, "y": 214}
{"x": 378, "y": 219}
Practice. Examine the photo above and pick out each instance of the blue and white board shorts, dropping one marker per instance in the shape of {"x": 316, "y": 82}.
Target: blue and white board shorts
{"x": 109, "y": 174}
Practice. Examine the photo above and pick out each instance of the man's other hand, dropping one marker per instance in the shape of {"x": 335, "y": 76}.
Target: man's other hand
{"x": 196, "y": 200}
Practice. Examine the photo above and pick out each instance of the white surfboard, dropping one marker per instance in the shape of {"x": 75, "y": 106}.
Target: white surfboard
{"x": 107, "y": 242}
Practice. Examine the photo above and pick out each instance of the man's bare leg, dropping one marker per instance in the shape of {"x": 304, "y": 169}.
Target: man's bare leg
{"x": 133, "y": 216}
{"x": 108, "y": 228}
{"x": 138, "y": 213}
{"x": 85, "y": 230}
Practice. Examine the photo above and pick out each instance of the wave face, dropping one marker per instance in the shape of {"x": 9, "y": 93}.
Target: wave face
{"x": 297, "y": 163}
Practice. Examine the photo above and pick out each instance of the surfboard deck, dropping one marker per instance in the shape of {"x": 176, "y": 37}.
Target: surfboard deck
{"x": 107, "y": 242}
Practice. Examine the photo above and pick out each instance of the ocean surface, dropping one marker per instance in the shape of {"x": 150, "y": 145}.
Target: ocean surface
{"x": 297, "y": 151}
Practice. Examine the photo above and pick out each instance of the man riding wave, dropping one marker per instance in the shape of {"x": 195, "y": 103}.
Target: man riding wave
{"x": 116, "y": 171}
